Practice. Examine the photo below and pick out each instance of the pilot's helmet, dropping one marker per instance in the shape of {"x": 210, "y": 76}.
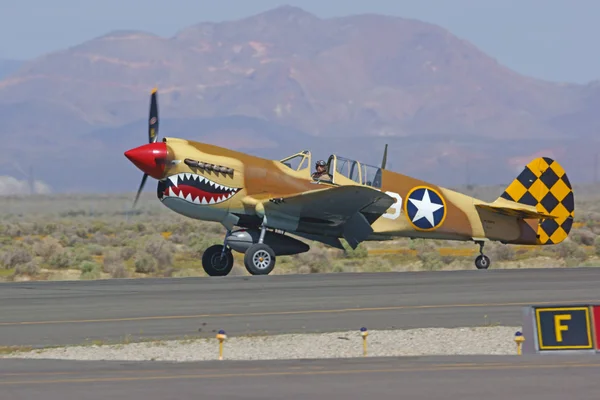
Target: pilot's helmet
{"x": 320, "y": 163}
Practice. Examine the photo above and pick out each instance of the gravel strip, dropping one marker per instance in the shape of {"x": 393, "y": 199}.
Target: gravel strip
{"x": 413, "y": 342}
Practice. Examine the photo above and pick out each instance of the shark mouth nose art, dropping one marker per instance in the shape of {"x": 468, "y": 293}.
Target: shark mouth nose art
{"x": 195, "y": 189}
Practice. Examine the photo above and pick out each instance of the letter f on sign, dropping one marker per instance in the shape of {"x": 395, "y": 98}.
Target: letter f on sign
{"x": 559, "y": 327}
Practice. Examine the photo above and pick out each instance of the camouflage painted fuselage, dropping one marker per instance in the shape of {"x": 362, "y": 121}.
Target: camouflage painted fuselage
{"x": 236, "y": 189}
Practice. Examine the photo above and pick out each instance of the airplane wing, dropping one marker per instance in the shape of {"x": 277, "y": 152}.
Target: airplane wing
{"x": 343, "y": 210}
{"x": 521, "y": 212}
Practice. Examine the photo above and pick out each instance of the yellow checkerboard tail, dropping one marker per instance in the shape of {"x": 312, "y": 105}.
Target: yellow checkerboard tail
{"x": 544, "y": 184}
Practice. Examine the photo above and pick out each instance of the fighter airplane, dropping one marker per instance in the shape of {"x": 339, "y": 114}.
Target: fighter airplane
{"x": 260, "y": 202}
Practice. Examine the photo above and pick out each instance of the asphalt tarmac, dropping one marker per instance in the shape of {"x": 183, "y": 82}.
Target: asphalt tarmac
{"x": 57, "y": 313}
{"x": 415, "y": 378}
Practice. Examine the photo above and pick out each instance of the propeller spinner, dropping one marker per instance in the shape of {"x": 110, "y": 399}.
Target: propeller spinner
{"x": 150, "y": 158}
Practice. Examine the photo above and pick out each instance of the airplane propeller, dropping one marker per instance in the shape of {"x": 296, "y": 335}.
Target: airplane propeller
{"x": 152, "y": 136}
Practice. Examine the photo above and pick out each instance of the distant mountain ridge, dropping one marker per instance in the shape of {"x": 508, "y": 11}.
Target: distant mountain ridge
{"x": 8, "y": 67}
{"x": 346, "y": 84}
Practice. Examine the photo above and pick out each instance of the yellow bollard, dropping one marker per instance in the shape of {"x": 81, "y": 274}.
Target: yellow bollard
{"x": 364, "y": 334}
{"x": 519, "y": 339}
{"x": 221, "y": 336}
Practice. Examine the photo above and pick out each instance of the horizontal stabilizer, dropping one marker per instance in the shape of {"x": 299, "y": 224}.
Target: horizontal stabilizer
{"x": 517, "y": 210}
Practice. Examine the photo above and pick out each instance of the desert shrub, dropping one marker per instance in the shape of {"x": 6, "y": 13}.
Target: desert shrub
{"x": 31, "y": 268}
{"x": 317, "y": 260}
{"x": 431, "y": 259}
{"x": 80, "y": 254}
{"x": 111, "y": 260}
{"x": 90, "y": 270}
{"x": 81, "y": 232}
{"x": 569, "y": 249}
{"x": 198, "y": 242}
{"x": 47, "y": 248}
{"x": 183, "y": 228}
{"x": 140, "y": 227}
{"x": 88, "y": 266}
{"x": 16, "y": 256}
{"x": 214, "y": 228}
{"x": 30, "y": 240}
{"x": 145, "y": 264}
{"x": 501, "y": 252}
{"x": 127, "y": 253}
{"x": 70, "y": 240}
{"x": 61, "y": 260}
{"x": 113, "y": 264}
{"x": 177, "y": 238}
{"x": 161, "y": 250}
{"x": 44, "y": 228}
{"x": 118, "y": 271}
{"x": 14, "y": 230}
{"x": 95, "y": 249}
{"x": 448, "y": 258}
{"x": 100, "y": 239}
{"x": 583, "y": 237}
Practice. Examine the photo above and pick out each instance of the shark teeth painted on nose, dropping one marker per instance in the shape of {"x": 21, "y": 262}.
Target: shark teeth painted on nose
{"x": 196, "y": 189}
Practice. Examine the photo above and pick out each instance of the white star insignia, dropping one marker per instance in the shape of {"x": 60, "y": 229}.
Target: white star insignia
{"x": 425, "y": 208}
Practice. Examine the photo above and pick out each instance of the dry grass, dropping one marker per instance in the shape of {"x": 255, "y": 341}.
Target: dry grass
{"x": 94, "y": 236}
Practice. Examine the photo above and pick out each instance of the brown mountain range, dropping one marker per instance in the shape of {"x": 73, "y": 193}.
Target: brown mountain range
{"x": 285, "y": 80}
{"x": 8, "y": 67}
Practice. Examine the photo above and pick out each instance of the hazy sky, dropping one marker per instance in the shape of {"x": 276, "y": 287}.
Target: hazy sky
{"x": 550, "y": 39}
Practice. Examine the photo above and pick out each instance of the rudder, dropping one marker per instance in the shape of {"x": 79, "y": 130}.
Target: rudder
{"x": 544, "y": 184}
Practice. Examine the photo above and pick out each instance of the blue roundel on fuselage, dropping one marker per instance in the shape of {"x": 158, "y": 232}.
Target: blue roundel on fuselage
{"x": 425, "y": 208}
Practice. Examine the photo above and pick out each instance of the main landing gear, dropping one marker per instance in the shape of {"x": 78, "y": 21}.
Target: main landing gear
{"x": 482, "y": 261}
{"x": 259, "y": 258}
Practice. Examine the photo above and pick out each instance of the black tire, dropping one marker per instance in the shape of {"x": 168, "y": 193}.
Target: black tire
{"x": 212, "y": 263}
{"x": 259, "y": 259}
{"x": 482, "y": 262}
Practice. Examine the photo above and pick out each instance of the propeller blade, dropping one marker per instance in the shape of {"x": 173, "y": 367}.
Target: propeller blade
{"x": 153, "y": 119}
{"x": 383, "y": 162}
{"x": 152, "y": 136}
{"x": 137, "y": 196}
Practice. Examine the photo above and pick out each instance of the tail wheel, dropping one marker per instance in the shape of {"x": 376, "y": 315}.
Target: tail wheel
{"x": 259, "y": 259}
{"x": 217, "y": 263}
{"x": 482, "y": 262}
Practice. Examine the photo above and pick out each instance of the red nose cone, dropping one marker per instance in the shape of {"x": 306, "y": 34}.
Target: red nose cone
{"x": 151, "y": 158}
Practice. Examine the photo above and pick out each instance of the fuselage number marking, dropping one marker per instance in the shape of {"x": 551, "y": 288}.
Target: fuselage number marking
{"x": 396, "y": 207}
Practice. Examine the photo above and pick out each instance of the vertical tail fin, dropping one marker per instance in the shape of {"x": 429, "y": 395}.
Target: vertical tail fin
{"x": 545, "y": 185}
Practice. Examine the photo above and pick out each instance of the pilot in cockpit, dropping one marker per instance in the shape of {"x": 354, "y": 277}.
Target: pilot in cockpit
{"x": 321, "y": 171}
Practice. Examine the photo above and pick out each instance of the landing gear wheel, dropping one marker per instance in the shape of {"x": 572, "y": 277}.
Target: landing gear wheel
{"x": 215, "y": 263}
{"x": 482, "y": 262}
{"x": 259, "y": 259}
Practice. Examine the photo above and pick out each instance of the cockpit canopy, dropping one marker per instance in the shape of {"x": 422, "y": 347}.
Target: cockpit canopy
{"x": 298, "y": 161}
{"x": 344, "y": 171}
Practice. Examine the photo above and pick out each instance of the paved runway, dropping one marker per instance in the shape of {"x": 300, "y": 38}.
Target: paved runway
{"x": 449, "y": 378}
{"x": 54, "y": 313}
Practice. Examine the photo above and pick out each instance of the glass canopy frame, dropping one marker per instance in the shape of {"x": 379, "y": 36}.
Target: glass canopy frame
{"x": 344, "y": 171}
